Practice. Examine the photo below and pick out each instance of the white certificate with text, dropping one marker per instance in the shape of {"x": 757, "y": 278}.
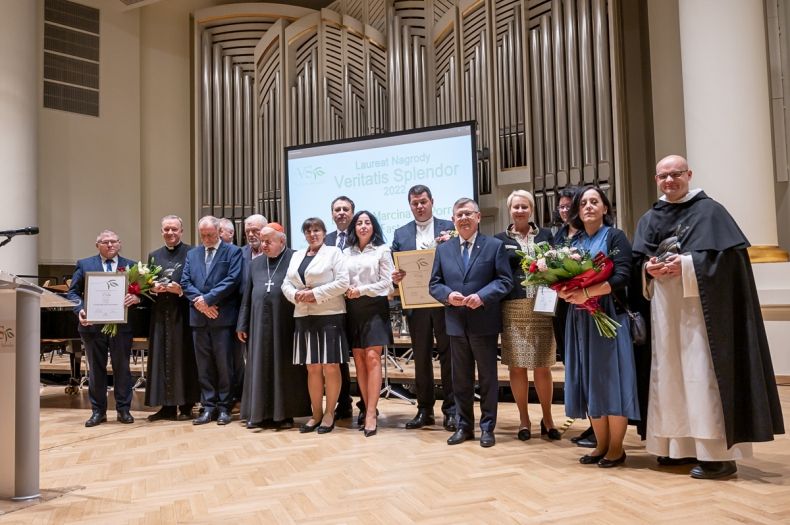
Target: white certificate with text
{"x": 104, "y": 296}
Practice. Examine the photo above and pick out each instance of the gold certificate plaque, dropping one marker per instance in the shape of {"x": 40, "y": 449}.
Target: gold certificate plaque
{"x": 418, "y": 265}
{"x": 104, "y": 295}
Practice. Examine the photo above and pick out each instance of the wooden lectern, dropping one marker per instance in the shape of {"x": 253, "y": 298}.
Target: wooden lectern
{"x": 20, "y": 341}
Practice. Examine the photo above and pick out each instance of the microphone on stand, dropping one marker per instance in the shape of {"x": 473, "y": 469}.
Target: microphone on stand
{"x": 9, "y": 234}
{"x": 30, "y": 230}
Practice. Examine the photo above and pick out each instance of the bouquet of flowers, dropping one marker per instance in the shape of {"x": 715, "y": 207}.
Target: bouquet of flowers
{"x": 569, "y": 268}
{"x": 141, "y": 278}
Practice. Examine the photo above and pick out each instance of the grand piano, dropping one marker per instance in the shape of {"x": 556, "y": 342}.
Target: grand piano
{"x": 59, "y": 331}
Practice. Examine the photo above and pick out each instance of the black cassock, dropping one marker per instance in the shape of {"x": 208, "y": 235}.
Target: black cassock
{"x": 172, "y": 372}
{"x": 731, "y": 308}
{"x": 274, "y": 388}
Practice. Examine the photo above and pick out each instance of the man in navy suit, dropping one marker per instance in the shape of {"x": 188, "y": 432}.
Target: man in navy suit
{"x": 342, "y": 212}
{"x": 471, "y": 275}
{"x": 424, "y": 323}
{"x": 210, "y": 280}
{"x": 97, "y": 345}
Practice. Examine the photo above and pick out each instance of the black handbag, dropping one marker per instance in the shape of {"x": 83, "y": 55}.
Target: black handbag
{"x": 636, "y": 324}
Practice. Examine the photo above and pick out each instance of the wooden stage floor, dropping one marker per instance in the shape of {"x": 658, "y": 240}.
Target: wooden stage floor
{"x": 174, "y": 472}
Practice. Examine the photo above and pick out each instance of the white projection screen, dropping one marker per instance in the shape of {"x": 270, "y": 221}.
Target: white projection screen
{"x": 376, "y": 173}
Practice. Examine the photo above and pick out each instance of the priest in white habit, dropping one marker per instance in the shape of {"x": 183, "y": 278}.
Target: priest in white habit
{"x": 172, "y": 372}
{"x": 275, "y": 390}
{"x": 712, "y": 385}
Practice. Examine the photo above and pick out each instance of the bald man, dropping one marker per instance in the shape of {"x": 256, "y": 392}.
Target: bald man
{"x": 712, "y": 384}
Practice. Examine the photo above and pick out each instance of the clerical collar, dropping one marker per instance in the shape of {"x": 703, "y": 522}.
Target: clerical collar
{"x": 172, "y": 248}
{"x": 687, "y": 197}
{"x": 424, "y": 224}
{"x": 278, "y": 255}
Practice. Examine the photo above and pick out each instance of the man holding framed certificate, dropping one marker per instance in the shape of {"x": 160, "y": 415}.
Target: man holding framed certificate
{"x": 97, "y": 344}
{"x": 425, "y": 321}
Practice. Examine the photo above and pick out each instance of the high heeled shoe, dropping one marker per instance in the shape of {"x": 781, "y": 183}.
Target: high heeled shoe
{"x": 326, "y": 429}
{"x": 552, "y": 433}
{"x": 369, "y": 433}
{"x": 524, "y": 433}
{"x": 306, "y": 428}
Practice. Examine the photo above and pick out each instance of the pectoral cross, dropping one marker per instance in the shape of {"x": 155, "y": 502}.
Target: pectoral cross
{"x": 269, "y": 285}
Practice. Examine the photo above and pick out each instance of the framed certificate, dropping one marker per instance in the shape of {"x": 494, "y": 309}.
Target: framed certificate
{"x": 104, "y": 295}
{"x": 418, "y": 265}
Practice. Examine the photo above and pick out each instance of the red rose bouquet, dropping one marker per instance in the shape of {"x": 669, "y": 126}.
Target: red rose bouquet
{"x": 569, "y": 268}
{"x": 141, "y": 278}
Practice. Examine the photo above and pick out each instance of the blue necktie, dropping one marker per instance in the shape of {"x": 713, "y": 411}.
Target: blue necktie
{"x": 465, "y": 255}
{"x": 341, "y": 240}
{"x": 108, "y": 265}
{"x": 209, "y": 258}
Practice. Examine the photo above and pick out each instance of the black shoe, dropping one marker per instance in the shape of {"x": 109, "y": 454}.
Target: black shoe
{"x": 590, "y": 459}
{"x": 343, "y": 412}
{"x": 487, "y": 439}
{"x": 552, "y": 433}
{"x": 252, "y": 425}
{"x": 524, "y": 434}
{"x": 207, "y": 416}
{"x": 609, "y": 463}
{"x": 584, "y": 435}
{"x": 361, "y": 417}
{"x": 97, "y": 418}
{"x": 714, "y": 469}
{"x": 326, "y": 429}
{"x": 306, "y": 428}
{"x": 449, "y": 423}
{"x": 460, "y": 436}
{"x": 666, "y": 461}
{"x": 285, "y": 424}
{"x": 422, "y": 419}
{"x": 166, "y": 412}
{"x": 369, "y": 433}
{"x": 224, "y": 416}
{"x": 588, "y": 442}
{"x": 125, "y": 417}
{"x": 184, "y": 412}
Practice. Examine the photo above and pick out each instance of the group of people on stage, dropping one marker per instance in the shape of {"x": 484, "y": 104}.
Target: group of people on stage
{"x": 700, "y": 390}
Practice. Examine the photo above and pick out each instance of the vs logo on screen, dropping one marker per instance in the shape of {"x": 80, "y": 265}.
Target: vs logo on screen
{"x": 311, "y": 173}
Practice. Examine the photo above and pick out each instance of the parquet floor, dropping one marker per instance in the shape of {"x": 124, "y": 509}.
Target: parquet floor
{"x": 173, "y": 472}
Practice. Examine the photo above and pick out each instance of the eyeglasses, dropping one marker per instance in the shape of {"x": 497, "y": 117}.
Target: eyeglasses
{"x": 465, "y": 214}
{"x": 673, "y": 174}
{"x": 108, "y": 242}
{"x": 564, "y": 208}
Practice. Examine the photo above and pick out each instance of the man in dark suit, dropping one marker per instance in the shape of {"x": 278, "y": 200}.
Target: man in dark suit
{"x": 97, "y": 345}
{"x": 210, "y": 281}
{"x": 342, "y": 212}
{"x": 471, "y": 275}
{"x": 425, "y": 323}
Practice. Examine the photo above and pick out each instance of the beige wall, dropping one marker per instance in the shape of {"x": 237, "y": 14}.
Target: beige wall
{"x": 666, "y": 77}
{"x": 166, "y": 98}
{"x": 89, "y": 168}
{"x": 132, "y": 165}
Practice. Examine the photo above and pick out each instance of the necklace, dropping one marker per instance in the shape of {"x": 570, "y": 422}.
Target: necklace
{"x": 269, "y": 283}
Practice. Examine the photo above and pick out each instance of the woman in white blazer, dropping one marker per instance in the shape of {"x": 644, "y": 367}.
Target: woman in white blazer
{"x": 316, "y": 280}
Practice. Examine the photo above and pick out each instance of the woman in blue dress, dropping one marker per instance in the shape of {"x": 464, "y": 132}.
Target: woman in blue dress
{"x": 600, "y": 379}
